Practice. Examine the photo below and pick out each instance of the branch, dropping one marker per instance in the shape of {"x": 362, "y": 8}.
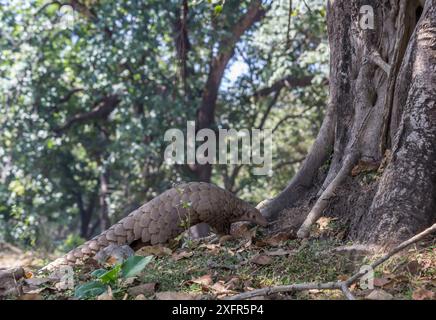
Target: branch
{"x": 290, "y": 116}
{"x": 288, "y": 82}
{"x": 339, "y": 285}
{"x": 103, "y": 108}
{"x": 70, "y": 94}
{"x": 268, "y": 110}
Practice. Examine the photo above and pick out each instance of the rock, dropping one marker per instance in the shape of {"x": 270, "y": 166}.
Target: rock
{"x": 379, "y": 295}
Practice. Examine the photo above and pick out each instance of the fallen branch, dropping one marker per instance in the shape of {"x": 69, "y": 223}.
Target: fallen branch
{"x": 338, "y": 285}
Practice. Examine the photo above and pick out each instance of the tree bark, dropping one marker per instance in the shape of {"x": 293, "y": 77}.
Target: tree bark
{"x": 382, "y": 101}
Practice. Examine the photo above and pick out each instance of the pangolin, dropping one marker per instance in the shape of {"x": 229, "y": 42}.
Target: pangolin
{"x": 166, "y": 216}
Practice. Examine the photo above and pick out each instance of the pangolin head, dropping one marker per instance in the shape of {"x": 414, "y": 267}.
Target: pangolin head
{"x": 252, "y": 214}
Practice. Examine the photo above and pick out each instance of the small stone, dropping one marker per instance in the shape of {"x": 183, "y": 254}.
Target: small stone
{"x": 379, "y": 295}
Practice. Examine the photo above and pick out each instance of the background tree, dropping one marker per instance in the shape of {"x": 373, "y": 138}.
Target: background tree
{"x": 89, "y": 88}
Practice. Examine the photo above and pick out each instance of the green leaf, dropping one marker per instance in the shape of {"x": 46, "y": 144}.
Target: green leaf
{"x": 89, "y": 289}
{"x": 98, "y": 273}
{"x": 111, "y": 275}
{"x": 218, "y": 9}
{"x": 134, "y": 265}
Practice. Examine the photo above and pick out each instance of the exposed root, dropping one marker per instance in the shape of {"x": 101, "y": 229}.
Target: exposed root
{"x": 327, "y": 194}
{"x": 303, "y": 180}
{"x": 338, "y": 285}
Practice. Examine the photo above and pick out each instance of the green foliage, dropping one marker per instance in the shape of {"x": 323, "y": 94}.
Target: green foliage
{"x": 134, "y": 265}
{"x": 90, "y": 289}
{"x": 51, "y": 72}
{"x": 131, "y": 267}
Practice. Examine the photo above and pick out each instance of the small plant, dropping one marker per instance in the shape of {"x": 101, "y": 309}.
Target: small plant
{"x": 127, "y": 269}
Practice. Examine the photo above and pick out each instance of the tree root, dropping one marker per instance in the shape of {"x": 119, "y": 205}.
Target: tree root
{"x": 327, "y": 194}
{"x": 338, "y": 285}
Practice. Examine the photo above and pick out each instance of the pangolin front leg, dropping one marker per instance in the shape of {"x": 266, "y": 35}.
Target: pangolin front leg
{"x": 168, "y": 215}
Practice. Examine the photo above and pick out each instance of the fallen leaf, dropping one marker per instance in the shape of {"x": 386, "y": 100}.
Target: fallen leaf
{"x": 140, "y": 297}
{"x": 181, "y": 255}
{"x": 423, "y": 294}
{"x": 278, "y": 239}
{"x": 30, "y": 296}
{"x": 170, "y": 295}
{"x": 28, "y": 275}
{"x": 233, "y": 283}
{"x": 106, "y": 295}
{"x": 158, "y": 251}
{"x": 219, "y": 287}
{"x": 379, "y": 294}
{"x": 205, "y": 280}
{"x": 324, "y": 222}
{"x": 262, "y": 260}
{"x": 383, "y": 281}
{"x": 111, "y": 261}
{"x": 144, "y": 289}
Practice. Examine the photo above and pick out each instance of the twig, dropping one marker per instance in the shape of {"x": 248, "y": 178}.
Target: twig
{"x": 338, "y": 285}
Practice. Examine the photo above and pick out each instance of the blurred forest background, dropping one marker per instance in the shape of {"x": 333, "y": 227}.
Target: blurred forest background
{"x": 87, "y": 94}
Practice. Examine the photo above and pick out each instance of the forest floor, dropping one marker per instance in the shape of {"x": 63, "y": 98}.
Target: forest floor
{"x": 204, "y": 270}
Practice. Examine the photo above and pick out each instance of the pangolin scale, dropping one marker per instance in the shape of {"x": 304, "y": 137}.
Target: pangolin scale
{"x": 166, "y": 216}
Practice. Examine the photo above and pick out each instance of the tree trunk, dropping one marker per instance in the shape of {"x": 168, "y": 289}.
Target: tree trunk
{"x": 381, "y": 115}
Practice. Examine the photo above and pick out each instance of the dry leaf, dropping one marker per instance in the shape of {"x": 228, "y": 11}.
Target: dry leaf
{"x": 140, "y": 297}
{"x": 213, "y": 248}
{"x": 423, "y": 294}
{"x": 112, "y": 260}
{"x": 205, "y": 280}
{"x": 277, "y": 239}
{"x": 233, "y": 283}
{"x": 158, "y": 251}
{"x": 379, "y": 294}
{"x": 30, "y": 296}
{"x": 170, "y": 295}
{"x": 181, "y": 255}
{"x": 28, "y": 275}
{"x": 262, "y": 260}
{"x": 383, "y": 281}
{"x": 323, "y": 223}
{"x": 146, "y": 289}
{"x": 106, "y": 295}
